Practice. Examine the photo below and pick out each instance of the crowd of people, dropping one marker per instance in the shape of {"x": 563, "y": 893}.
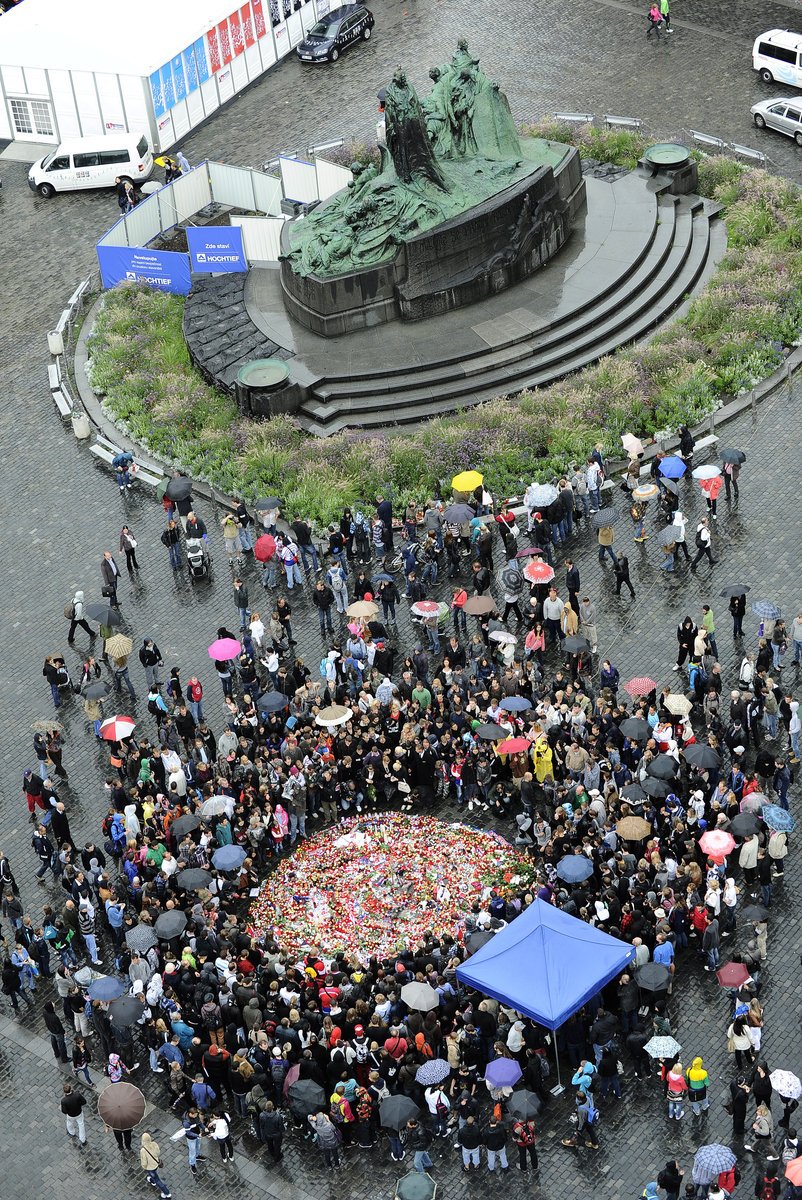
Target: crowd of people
{"x": 242, "y": 1037}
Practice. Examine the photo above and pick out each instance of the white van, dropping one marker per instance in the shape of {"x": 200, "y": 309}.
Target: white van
{"x": 92, "y": 162}
{"x": 776, "y": 55}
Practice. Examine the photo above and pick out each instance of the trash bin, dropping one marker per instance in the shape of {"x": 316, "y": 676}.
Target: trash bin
{"x": 55, "y": 343}
{"x": 80, "y": 425}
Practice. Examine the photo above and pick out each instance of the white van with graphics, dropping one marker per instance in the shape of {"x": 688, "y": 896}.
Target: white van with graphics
{"x": 93, "y": 162}
{"x": 776, "y": 56}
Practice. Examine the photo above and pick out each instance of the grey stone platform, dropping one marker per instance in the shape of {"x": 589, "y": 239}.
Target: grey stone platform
{"x": 635, "y": 257}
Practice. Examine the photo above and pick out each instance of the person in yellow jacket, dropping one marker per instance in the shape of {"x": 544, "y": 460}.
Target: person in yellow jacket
{"x": 150, "y": 1161}
{"x": 698, "y": 1080}
{"x": 543, "y": 759}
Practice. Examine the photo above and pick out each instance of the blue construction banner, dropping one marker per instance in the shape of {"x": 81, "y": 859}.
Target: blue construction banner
{"x": 164, "y": 270}
{"x": 216, "y": 249}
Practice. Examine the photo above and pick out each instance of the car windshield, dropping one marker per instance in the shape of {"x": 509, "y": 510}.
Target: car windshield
{"x": 324, "y": 29}
{"x": 47, "y": 160}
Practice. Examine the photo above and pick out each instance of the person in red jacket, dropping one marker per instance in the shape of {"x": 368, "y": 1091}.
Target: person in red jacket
{"x": 710, "y": 489}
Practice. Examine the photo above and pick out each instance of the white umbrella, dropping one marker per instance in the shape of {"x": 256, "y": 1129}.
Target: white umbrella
{"x": 333, "y": 715}
{"x": 785, "y": 1083}
{"x": 501, "y": 635}
{"x": 705, "y": 472}
{"x": 678, "y": 704}
{"x": 216, "y": 805}
{"x": 632, "y": 445}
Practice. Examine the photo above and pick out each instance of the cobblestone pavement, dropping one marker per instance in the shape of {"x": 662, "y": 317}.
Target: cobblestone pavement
{"x": 61, "y": 511}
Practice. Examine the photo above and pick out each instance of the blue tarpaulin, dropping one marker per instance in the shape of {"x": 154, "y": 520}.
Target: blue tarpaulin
{"x": 546, "y": 964}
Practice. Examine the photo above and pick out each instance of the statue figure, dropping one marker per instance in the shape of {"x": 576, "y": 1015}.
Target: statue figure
{"x": 407, "y": 139}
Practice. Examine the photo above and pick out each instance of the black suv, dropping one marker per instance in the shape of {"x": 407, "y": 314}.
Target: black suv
{"x": 335, "y": 32}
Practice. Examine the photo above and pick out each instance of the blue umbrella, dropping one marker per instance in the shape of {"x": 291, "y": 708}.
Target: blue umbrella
{"x": 766, "y": 610}
{"x": 228, "y": 858}
{"x": 515, "y": 704}
{"x": 432, "y": 1072}
{"x": 107, "y": 988}
{"x": 710, "y": 1161}
{"x": 382, "y": 578}
{"x": 574, "y": 868}
{"x": 673, "y": 467}
{"x": 503, "y": 1072}
{"x": 778, "y": 818}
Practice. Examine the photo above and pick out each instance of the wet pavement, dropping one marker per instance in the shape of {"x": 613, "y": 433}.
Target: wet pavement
{"x": 61, "y": 511}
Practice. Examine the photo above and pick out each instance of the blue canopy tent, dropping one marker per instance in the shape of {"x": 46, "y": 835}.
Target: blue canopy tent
{"x": 546, "y": 964}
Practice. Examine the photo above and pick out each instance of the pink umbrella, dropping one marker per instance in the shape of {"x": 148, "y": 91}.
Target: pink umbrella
{"x": 425, "y": 608}
{"x": 290, "y": 1077}
{"x": 116, "y": 728}
{"x": 224, "y": 649}
{"x": 537, "y": 571}
{"x": 641, "y": 685}
{"x": 754, "y": 803}
{"x": 717, "y": 843}
{"x": 265, "y": 548}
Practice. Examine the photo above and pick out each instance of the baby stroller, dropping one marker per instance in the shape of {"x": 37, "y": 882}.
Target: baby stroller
{"x": 199, "y": 560}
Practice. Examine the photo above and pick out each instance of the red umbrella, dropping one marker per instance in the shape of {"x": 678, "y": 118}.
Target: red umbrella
{"x": 641, "y": 685}
{"x": 517, "y": 745}
{"x": 116, "y": 728}
{"x": 717, "y": 843}
{"x": 425, "y": 608}
{"x": 224, "y": 649}
{"x": 265, "y": 548}
{"x": 732, "y": 975}
{"x": 537, "y": 571}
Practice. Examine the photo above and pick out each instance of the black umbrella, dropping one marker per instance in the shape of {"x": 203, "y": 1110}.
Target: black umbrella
{"x": 604, "y": 518}
{"x": 170, "y": 924}
{"x": 103, "y": 614}
{"x": 179, "y": 488}
{"x": 141, "y": 938}
{"x": 492, "y": 733}
{"x": 185, "y": 824}
{"x": 126, "y": 1011}
{"x": 636, "y": 729}
{"x": 700, "y": 755}
{"x": 653, "y": 977}
{"x": 662, "y": 767}
{"x": 194, "y": 879}
{"x": 273, "y": 701}
{"x": 734, "y": 589}
{"x": 306, "y": 1097}
{"x": 634, "y": 793}
{"x": 267, "y": 503}
{"x": 755, "y": 912}
{"x": 668, "y": 535}
{"x": 477, "y": 939}
{"x": 744, "y": 824}
{"x": 458, "y": 514}
{"x": 97, "y": 690}
{"x": 574, "y": 643}
{"x": 395, "y": 1111}
{"x": 525, "y": 1105}
{"x": 513, "y": 580}
{"x": 655, "y": 787}
{"x": 733, "y": 456}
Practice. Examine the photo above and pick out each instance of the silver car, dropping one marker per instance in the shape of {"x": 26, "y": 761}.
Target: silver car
{"x": 781, "y": 114}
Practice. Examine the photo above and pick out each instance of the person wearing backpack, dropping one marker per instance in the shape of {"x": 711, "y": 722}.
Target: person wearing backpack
{"x": 767, "y": 1185}
{"x": 523, "y": 1134}
{"x": 323, "y": 599}
{"x": 74, "y": 613}
{"x": 703, "y": 540}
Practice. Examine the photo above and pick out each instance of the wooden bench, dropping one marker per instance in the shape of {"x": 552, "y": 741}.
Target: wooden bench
{"x": 106, "y": 451}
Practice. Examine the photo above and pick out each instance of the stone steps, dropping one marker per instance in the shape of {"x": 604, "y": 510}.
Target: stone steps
{"x": 673, "y": 262}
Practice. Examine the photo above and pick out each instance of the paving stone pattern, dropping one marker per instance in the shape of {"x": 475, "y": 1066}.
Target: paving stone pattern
{"x": 61, "y": 511}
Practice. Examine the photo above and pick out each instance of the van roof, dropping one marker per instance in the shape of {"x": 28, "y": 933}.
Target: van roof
{"x": 121, "y": 138}
{"x": 781, "y": 37}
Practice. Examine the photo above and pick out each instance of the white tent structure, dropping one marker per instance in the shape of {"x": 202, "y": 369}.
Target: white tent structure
{"x": 158, "y": 67}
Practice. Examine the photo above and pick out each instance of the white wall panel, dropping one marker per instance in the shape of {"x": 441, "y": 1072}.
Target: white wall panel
{"x": 268, "y": 194}
{"x": 298, "y": 179}
{"x": 83, "y": 83}
{"x": 64, "y": 105}
{"x": 261, "y": 237}
{"x": 231, "y": 185}
{"x": 331, "y": 178}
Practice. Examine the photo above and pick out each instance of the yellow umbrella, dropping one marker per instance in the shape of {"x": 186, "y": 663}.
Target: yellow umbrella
{"x": 466, "y": 481}
{"x": 362, "y": 608}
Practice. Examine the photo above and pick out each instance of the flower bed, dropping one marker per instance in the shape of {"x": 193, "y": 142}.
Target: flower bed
{"x": 734, "y": 334}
